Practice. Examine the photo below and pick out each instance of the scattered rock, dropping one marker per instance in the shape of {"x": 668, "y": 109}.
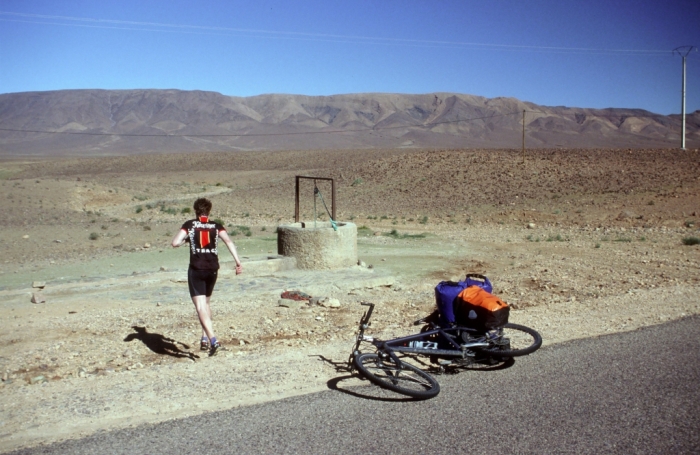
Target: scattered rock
{"x": 626, "y": 215}
{"x": 146, "y": 245}
{"x": 163, "y": 269}
{"x": 38, "y": 380}
{"x": 38, "y": 298}
{"x": 295, "y": 295}
{"x": 39, "y": 284}
{"x": 531, "y": 225}
{"x": 25, "y": 236}
{"x": 328, "y": 302}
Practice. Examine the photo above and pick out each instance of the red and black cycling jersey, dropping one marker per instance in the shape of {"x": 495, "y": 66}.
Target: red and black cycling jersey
{"x": 203, "y": 237}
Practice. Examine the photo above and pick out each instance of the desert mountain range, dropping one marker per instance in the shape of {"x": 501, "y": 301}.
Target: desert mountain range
{"x": 119, "y": 122}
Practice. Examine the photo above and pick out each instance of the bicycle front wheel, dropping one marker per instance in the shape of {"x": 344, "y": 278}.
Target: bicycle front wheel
{"x": 513, "y": 340}
{"x": 402, "y": 378}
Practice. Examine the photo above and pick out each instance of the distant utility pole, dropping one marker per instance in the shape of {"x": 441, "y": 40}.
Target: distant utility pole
{"x": 683, "y": 51}
{"x": 523, "y": 135}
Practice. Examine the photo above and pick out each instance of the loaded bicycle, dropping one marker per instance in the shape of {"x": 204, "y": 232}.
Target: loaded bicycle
{"x": 446, "y": 345}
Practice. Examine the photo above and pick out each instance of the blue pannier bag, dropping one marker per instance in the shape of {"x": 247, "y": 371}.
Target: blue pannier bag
{"x": 446, "y": 293}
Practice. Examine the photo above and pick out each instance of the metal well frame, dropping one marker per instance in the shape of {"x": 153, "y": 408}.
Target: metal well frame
{"x": 296, "y": 195}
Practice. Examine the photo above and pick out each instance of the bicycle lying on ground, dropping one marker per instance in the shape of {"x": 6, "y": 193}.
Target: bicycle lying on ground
{"x": 452, "y": 346}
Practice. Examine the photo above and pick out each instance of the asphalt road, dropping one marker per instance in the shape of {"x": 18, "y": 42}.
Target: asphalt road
{"x": 635, "y": 392}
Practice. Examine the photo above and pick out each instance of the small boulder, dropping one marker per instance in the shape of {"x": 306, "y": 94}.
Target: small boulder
{"x": 38, "y": 380}
{"x": 328, "y": 302}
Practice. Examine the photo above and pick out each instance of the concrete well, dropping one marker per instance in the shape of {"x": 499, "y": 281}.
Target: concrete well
{"x": 317, "y": 246}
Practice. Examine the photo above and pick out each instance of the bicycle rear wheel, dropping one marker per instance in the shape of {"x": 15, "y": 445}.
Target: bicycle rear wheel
{"x": 405, "y": 378}
{"x": 513, "y": 340}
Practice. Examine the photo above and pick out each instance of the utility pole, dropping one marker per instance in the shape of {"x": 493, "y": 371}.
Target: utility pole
{"x": 523, "y": 136}
{"x": 683, "y": 51}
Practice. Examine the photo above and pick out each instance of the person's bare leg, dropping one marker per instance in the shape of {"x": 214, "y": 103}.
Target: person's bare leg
{"x": 201, "y": 304}
{"x": 204, "y": 334}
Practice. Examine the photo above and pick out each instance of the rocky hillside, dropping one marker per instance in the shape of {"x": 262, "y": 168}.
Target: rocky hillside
{"x": 118, "y": 122}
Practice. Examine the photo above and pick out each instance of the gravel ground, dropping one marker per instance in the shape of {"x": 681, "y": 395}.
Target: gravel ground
{"x": 580, "y": 243}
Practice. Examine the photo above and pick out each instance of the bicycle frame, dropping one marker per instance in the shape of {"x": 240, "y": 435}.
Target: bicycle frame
{"x": 401, "y": 344}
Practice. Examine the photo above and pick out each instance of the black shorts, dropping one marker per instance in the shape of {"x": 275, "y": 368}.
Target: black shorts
{"x": 201, "y": 282}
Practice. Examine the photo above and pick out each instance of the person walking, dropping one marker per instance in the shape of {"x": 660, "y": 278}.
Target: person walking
{"x": 203, "y": 236}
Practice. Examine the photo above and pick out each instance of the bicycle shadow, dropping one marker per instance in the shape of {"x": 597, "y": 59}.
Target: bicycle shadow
{"x": 484, "y": 364}
{"x": 339, "y": 366}
{"x": 160, "y": 344}
{"x": 366, "y": 390}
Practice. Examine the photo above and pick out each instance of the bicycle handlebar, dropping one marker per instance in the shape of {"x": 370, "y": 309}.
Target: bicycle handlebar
{"x": 368, "y": 314}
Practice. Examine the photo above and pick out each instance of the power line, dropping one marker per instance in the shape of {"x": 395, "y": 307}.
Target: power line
{"x": 72, "y": 21}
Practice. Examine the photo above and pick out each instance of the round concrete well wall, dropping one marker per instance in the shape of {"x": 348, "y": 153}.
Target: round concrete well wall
{"x": 318, "y": 246}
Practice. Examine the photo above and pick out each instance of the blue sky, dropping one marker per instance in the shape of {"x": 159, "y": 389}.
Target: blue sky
{"x": 592, "y": 53}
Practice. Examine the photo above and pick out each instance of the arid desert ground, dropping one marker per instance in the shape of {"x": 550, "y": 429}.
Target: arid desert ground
{"x": 580, "y": 242}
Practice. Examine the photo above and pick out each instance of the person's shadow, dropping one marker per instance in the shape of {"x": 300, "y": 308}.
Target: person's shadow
{"x": 160, "y": 344}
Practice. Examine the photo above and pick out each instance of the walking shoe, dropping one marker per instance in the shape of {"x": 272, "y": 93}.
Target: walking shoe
{"x": 215, "y": 348}
{"x": 204, "y": 345}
